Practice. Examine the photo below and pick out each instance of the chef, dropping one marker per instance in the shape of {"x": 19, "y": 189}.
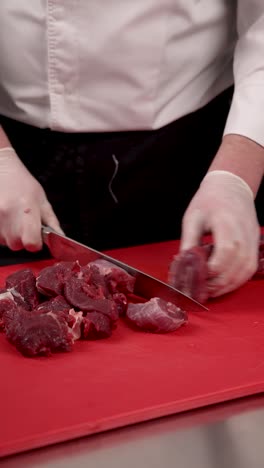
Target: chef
{"x": 134, "y": 121}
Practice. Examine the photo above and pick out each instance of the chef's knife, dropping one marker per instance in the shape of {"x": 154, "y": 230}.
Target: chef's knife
{"x": 63, "y": 248}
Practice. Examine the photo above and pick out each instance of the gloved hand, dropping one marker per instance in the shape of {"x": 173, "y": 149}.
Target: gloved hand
{"x": 224, "y": 206}
{"x": 23, "y": 205}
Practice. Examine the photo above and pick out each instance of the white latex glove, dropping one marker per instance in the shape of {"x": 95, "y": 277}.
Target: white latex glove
{"x": 23, "y": 205}
{"x": 224, "y": 206}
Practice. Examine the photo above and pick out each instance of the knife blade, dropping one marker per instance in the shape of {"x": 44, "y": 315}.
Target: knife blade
{"x": 63, "y": 248}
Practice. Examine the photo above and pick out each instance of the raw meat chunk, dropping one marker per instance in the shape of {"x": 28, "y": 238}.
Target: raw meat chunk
{"x": 10, "y": 314}
{"x": 188, "y": 272}
{"x": 59, "y": 307}
{"x": 121, "y": 303}
{"x": 22, "y": 285}
{"x": 88, "y": 292}
{"x": 94, "y": 283}
{"x": 81, "y": 301}
{"x": 260, "y": 270}
{"x": 55, "y": 304}
{"x": 117, "y": 278}
{"x": 96, "y": 326}
{"x": 50, "y": 281}
{"x": 37, "y": 334}
{"x": 6, "y": 303}
{"x": 156, "y": 316}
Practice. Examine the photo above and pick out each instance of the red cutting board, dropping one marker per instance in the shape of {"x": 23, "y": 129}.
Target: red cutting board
{"x": 133, "y": 376}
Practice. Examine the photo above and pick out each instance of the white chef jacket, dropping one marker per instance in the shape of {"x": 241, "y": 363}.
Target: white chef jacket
{"x": 113, "y": 65}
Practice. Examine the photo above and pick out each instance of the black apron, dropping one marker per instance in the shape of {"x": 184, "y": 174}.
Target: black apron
{"x": 119, "y": 189}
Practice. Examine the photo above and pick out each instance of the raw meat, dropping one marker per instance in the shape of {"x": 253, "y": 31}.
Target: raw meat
{"x": 84, "y": 302}
{"x": 156, "y": 316}
{"x": 50, "y": 281}
{"x": 37, "y": 334}
{"x": 6, "y": 303}
{"x": 188, "y": 272}
{"x": 10, "y": 314}
{"x": 117, "y": 278}
{"x": 22, "y": 285}
{"x": 121, "y": 303}
{"x": 260, "y": 270}
{"x": 55, "y": 304}
{"x": 88, "y": 291}
{"x": 60, "y": 307}
{"x": 96, "y": 326}
{"x": 94, "y": 283}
